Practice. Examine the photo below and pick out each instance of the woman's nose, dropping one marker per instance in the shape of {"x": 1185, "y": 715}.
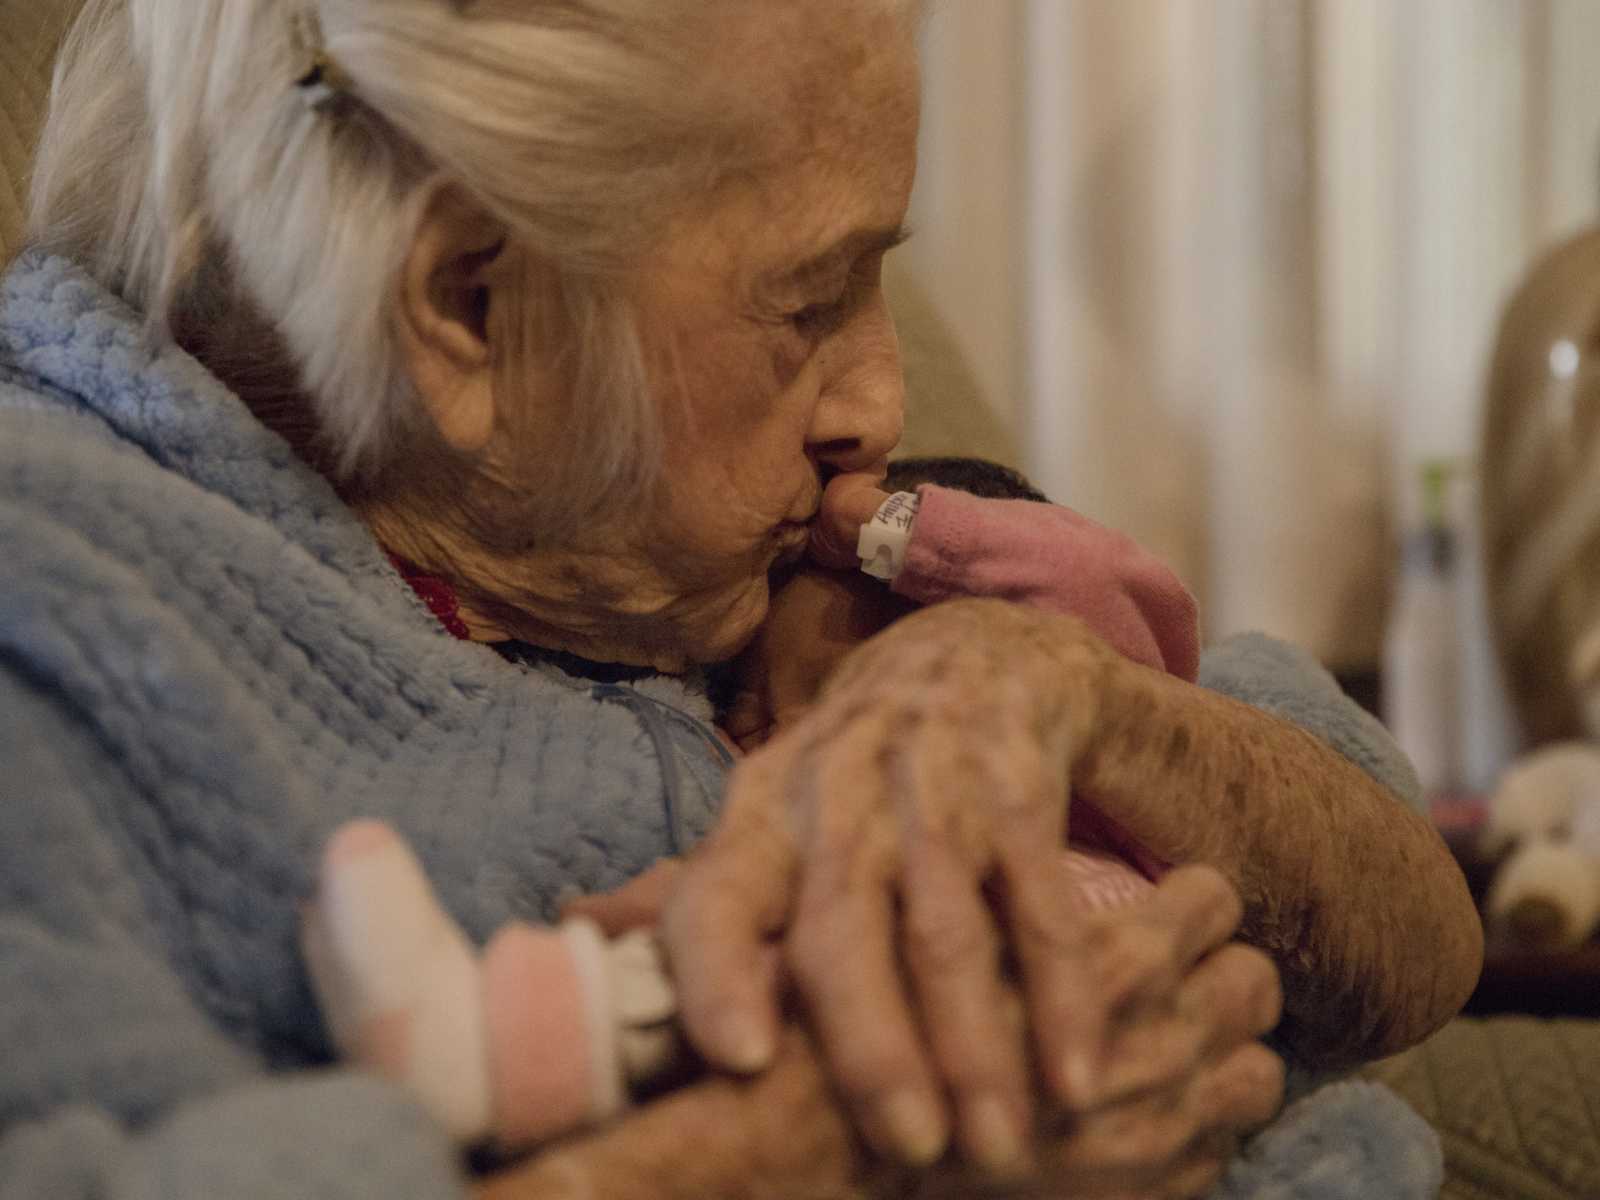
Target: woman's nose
{"x": 861, "y": 410}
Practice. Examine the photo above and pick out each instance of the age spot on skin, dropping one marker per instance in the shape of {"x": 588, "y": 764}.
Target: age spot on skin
{"x": 1178, "y": 748}
{"x": 1234, "y": 791}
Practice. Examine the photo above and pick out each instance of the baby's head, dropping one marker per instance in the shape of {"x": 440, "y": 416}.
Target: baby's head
{"x": 817, "y": 616}
{"x": 975, "y": 476}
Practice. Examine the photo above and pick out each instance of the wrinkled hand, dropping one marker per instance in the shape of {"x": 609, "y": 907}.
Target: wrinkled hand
{"x": 904, "y": 840}
{"x": 1183, "y": 1075}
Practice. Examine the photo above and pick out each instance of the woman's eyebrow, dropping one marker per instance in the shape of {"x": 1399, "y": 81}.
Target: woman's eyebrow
{"x": 848, "y": 248}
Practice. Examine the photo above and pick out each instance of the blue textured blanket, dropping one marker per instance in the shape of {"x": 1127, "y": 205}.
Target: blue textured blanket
{"x": 206, "y": 664}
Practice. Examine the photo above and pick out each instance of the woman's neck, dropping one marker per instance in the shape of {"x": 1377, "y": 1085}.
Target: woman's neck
{"x": 590, "y": 606}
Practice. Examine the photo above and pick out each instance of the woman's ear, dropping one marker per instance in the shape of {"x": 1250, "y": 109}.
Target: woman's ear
{"x": 446, "y": 289}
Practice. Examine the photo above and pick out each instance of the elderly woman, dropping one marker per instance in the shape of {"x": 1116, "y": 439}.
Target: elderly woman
{"x": 401, "y": 401}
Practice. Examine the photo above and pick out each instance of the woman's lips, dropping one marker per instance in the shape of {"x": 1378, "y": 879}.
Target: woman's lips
{"x": 807, "y": 504}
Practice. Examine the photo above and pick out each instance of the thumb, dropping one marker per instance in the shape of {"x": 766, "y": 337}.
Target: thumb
{"x": 848, "y": 503}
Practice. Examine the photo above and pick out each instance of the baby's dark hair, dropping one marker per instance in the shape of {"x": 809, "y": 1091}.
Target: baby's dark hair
{"x": 978, "y": 476}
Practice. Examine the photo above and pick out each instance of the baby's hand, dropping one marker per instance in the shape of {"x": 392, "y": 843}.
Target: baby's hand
{"x": 848, "y": 503}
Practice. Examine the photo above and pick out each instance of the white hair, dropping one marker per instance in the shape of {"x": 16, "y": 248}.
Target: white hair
{"x": 183, "y": 166}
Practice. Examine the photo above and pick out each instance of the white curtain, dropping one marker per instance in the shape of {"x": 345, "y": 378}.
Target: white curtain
{"x": 1232, "y": 267}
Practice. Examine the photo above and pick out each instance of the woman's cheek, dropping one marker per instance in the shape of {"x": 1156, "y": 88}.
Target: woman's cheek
{"x": 789, "y": 353}
{"x": 796, "y": 378}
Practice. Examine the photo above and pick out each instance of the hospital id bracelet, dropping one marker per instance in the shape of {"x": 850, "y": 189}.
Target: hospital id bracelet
{"x": 884, "y": 539}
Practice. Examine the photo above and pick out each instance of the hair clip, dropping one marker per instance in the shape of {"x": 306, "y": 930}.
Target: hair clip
{"x": 323, "y": 80}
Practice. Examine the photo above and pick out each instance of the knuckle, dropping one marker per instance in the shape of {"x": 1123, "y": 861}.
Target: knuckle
{"x": 1199, "y": 1176}
{"x": 1174, "y": 1137}
{"x": 1146, "y": 1143}
{"x": 681, "y": 912}
{"x": 1226, "y": 898}
{"x": 1136, "y": 962}
{"x": 1256, "y": 964}
{"x": 1163, "y": 1063}
{"x": 1262, "y": 1068}
{"x": 812, "y": 954}
{"x": 1185, "y": 1051}
{"x": 1099, "y": 934}
{"x": 1266, "y": 1002}
{"x": 965, "y": 1071}
{"x": 1247, "y": 1089}
{"x": 1243, "y": 995}
{"x": 872, "y": 1068}
{"x": 1209, "y": 882}
{"x": 1210, "y": 888}
{"x": 1041, "y": 925}
{"x": 941, "y": 948}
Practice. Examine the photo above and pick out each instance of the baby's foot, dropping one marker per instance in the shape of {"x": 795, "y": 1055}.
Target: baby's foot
{"x": 575, "y": 1024}
{"x": 398, "y": 982}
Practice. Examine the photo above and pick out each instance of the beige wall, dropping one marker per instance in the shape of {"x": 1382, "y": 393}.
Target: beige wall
{"x": 965, "y": 213}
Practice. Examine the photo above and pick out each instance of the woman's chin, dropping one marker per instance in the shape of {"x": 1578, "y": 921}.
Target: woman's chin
{"x": 737, "y": 623}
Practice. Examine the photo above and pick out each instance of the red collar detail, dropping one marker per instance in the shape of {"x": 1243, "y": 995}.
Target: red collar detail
{"x": 437, "y": 594}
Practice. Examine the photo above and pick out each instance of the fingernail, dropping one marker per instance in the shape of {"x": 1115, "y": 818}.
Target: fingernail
{"x": 915, "y": 1126}
{"x": 994, "y": 1140}
{"x": 746, "y": 1044}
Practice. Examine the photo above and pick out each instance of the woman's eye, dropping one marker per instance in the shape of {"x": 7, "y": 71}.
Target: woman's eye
{"x": 823, "y": 316}
{"x": 813, "y": 316}
{"x": 820, "y": 317}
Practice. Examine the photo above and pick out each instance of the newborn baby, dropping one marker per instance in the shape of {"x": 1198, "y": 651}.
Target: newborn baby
{"x": 547, "y": 1030}
{"x": 973, "y": 528}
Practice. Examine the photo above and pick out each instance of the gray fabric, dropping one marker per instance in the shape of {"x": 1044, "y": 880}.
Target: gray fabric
{"x": 1289, "y": 683}
{"x": 205, "y": 665}
{"x": 1348, "y": 1141}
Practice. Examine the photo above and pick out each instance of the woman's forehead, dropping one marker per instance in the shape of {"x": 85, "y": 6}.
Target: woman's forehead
{"x": 830, "y": 109}
{"x": 817, "y": 70}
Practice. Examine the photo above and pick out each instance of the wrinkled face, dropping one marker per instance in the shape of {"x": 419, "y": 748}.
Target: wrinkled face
{"x": 770, "y": 346}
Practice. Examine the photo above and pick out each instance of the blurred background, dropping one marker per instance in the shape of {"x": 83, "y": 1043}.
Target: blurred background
{"x": 1231, "y": 271}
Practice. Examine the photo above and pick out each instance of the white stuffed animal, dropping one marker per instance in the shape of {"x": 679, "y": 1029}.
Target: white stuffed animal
{"x": 1546, "y": 814}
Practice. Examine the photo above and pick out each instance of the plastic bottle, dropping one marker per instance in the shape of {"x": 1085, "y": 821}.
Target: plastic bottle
{"x": 1422, "y": 646}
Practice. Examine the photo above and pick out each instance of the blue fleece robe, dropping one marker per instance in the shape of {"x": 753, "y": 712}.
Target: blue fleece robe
{"x": 206, "y": 665}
